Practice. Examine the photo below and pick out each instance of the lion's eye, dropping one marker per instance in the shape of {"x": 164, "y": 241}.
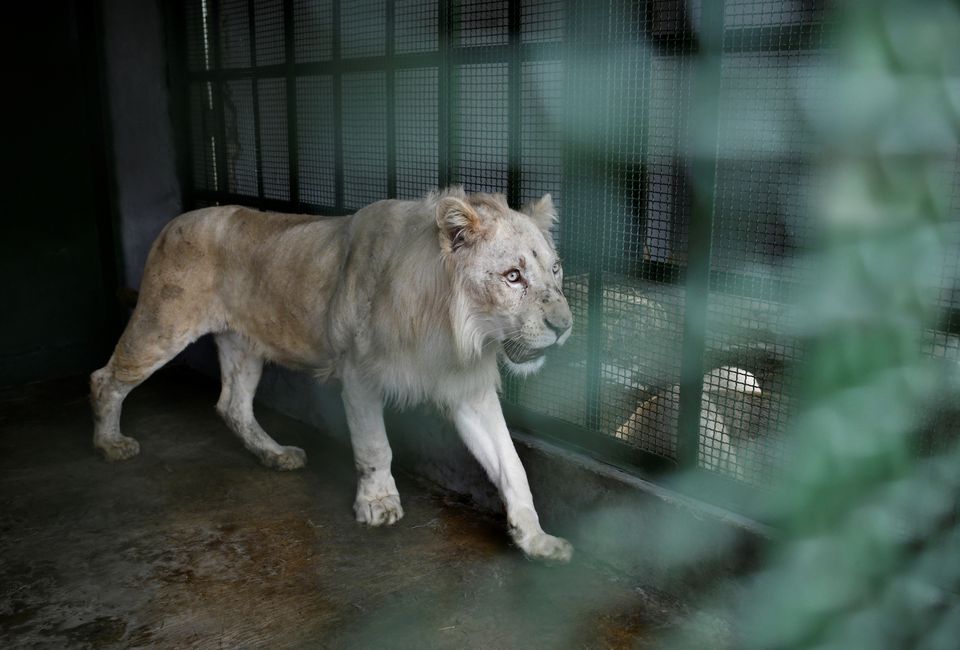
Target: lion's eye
{"x": 513, "y": 276}
{"x": 556, "y": 267}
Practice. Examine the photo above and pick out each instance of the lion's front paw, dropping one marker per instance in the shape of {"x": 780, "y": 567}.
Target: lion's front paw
{"x": 381, "y": 511}
{"x": 548, "y": 548}
{"x": 289, "y": 458}
{"x": 118, "y": 448}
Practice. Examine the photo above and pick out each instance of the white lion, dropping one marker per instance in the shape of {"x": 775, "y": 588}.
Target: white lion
{"x": 407, "y": 301}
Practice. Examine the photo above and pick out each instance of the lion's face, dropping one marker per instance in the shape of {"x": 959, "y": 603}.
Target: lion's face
{"x": 509, "y": 271}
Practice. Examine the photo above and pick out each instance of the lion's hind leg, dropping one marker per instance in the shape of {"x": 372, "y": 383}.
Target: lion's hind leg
{"x": 106, "y": 397}
{"x": 240, "y": 370}
{"x": 154, "y": 335}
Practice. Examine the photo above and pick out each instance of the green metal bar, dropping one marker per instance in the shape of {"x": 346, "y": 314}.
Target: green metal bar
{"x": 174, "y": 19}
{"x": 337, "y": 109}
{"x": 514, "y": 105}
{"x": 594, "y": 22}
{"x": 703, "y": 121}
{"x": 486, "y": 54}
{"x": 642, "y": 173}
{"x": 255, "y": 94}
{"x": 453, "y": 95}
{"x": 278, "y": 205}
{"x": 293, "y": 157}
{"x": 390, "y": 77}
{"x": 220, "y": 161}
{"x": 443, "y": 93}
{"x": 798, "y": 37}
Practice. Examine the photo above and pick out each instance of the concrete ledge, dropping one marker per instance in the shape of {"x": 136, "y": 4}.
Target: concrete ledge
{"x": 646, "y": 532}
{"x": 669, "y": 497}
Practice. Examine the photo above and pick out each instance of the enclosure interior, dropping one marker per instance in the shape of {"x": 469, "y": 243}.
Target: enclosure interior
{"x": 683, "y": 143}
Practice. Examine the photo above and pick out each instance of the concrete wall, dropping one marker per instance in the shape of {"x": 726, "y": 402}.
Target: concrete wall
{"x": 147, "y": 186}
{"x": 56, "y": 255}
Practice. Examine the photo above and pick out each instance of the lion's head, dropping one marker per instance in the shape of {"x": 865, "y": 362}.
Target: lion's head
{"x": 507, "y": 274}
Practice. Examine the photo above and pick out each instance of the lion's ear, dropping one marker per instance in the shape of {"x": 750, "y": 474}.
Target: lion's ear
{"x": 459, "y": 223}
{"x": 542, "y": 212}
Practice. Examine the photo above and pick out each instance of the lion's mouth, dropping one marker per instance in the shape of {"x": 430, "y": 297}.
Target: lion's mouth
{"x": 519, "y": 353}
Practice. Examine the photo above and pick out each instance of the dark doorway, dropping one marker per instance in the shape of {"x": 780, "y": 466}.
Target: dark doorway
{"x": 57, "y": 259}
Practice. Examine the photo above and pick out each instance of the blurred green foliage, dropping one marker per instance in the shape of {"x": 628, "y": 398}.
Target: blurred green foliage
{"x": 870, "y": 556}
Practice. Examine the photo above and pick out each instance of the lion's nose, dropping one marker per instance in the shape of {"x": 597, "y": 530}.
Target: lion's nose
{"x": 560, "y": 326}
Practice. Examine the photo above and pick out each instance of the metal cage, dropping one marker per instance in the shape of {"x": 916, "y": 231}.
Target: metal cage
{"x": 672, "y": 136}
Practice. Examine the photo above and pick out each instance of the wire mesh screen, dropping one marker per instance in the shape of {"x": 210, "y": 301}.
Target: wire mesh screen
{"x": 316, "y": 139}
{"x": 416, "y": 26}
{"x": 363, "y": 28}
{"x": 326, "y": 106}
{"x": 761, "y": 226}
{"x": 234, "y": 33}
{"x": 268, "y": 32}
{"x": 417, "y": 131}
{"x": 241, "y": 135}
{"x": 482, "y": 138}
{"x": 203, "y": 144}
{"x": 272, "y": 137}
{"x": 364, "y": 138}
{"x": 478, "y": 23}
{"x": 313, "y": 30}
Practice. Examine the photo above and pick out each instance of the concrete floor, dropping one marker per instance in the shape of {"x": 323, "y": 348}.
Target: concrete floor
{"x": 192, "y": 543}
